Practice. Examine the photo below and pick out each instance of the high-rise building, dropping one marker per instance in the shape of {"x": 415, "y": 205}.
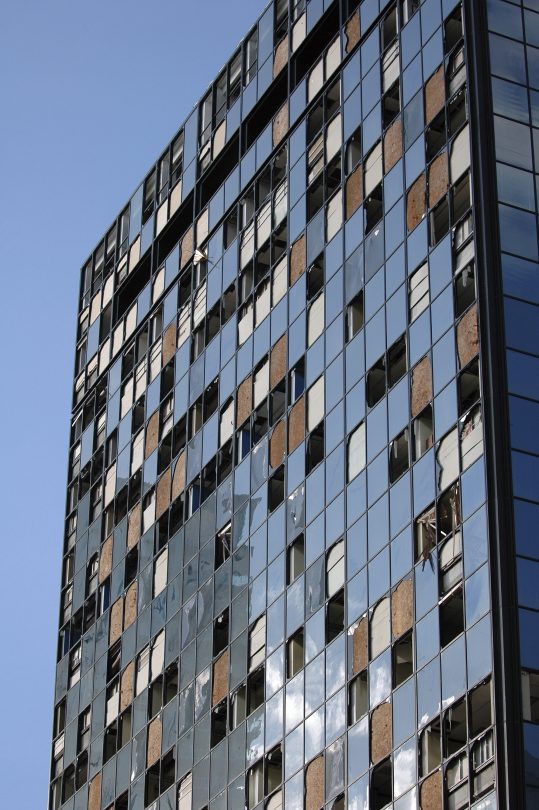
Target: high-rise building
{"x": 301, "y": 554}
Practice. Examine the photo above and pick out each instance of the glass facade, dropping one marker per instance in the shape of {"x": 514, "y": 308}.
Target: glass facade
{"x": 280, "y": 569}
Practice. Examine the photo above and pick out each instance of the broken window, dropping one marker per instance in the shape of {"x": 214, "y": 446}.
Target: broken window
{"x": 255, "y": 689}
{"x": 376, "y": 382}
{"x": 353, "y": 151}
{"x": 356, "y": 453}
{"x": 315, "y": 404}
{"x": 403, "y": 659}
{"x": 295, "y": 560}
{"x": 429, "y": 749}
{"x": 354, "y": 316}
{"x": 471, "y": 437}
{"x": 398, "y": 456}
{"x": 358, "y": 698}
{"x": 425, "y": 534}
{"x": 255, "y": 784}
{"x": 160, "y": 573}
{"x": 447, "y": 460}
{"x": 380, "y": 627}
{"x": 185, "y": 793}
{"x": 294, "y": 654}
{"x": 296, "y": 382}
{"x": 530, "y": 696}
{"x": 335, "y": 568}
{"x": 464, "y": 290}
{"x": 220, "y": 633}
{"x": 381, "y": 785}
{"x": 276, "y": 489}
{"x": 218, "y": 723}
{"x": 335, "y": 616}
{"x": 257, "y": 643}
{"x": 418, "y": 295}
{"x": 237, "y": 707}
{"x": 222, "y": 545}
{"x": 451, "y": 612}
{"x": 469, "y": 389}
{"x": 423, "y": 432}
{"x": 334, "y": 215}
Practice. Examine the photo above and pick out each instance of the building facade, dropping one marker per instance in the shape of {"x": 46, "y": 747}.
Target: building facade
{"x": 300, "y": 554}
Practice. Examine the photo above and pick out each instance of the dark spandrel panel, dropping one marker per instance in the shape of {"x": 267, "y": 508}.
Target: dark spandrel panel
{"x": 526, "y": 516}
{"x": 523, "y": 374}
{"x": 504, "y": 19}
{"x": 511, "y": 100}
{"x": 521, "y": 325}
{"x": 527, "y": 571}
{"x": 528, "y": 628}
{"x": 507, "y": 59}
{"x": 523, "y": 416}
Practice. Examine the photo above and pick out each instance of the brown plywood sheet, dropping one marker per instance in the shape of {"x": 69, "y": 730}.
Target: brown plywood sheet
{"x": 402, "y": 608}
{"x": 438, "y": 178}
{"x": 416, "y": 202}
{"x": 434, "y": 94}
{"x": 381, "y": 733}
{"x": 354, "y": 191}
{"x": 421, "y": 385}
{"x": 393, "y": 145}
{"x": 296, "y": 424}
{"x": 468, "y": 336}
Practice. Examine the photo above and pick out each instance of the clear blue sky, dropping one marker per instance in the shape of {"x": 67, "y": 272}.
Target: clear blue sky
{"x": 90, "y": 92}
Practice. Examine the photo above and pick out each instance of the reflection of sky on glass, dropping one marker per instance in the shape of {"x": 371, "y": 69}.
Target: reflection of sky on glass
{"x": 380, "y": 679}
{"x": 274, "y": 672}
{"x": 336, "y": 717}
{"x": 255, "y": 736}
{"x": 404, "y": 769}
{"x": 314, "y": 734}
{"x": 294, "y": 701}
